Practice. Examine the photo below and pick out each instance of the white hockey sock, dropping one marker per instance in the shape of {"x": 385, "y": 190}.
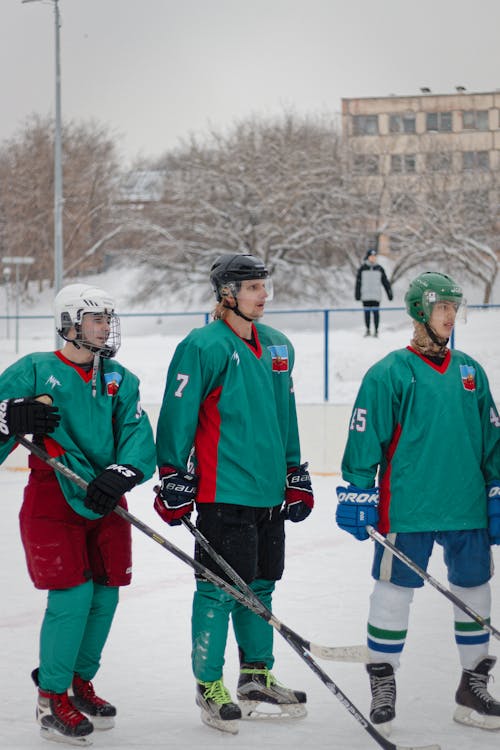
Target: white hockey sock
{"x": 471, "y": 639}
{"x": 388, "y": 621}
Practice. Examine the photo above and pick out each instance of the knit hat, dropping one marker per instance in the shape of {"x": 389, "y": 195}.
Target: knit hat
{"x": 370, "y": 252}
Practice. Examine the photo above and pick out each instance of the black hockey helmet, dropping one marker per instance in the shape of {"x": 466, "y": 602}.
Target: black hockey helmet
{"x": 228, "y": 271}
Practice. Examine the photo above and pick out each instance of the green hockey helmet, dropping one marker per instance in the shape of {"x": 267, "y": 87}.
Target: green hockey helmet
{"x": 427, "y": 289}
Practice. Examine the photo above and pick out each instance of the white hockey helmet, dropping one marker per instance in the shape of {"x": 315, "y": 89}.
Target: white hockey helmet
{"x": 73, "y": 302}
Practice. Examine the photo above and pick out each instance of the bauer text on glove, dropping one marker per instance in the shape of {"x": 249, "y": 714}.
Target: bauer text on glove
{"x": 493, "y": 491}
{"x": 105, "y": 491}
{"x": 357, "y": 508}
{"x": 175, "y": 494}
{"x": 27, "y": 416}
{"x": 299, "y": 498}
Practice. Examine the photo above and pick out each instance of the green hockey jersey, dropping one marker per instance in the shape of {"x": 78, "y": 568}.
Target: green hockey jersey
{"x": 235, "y": 406}
{"x": 94, "y": 431}
{"x": 433, "y": 434}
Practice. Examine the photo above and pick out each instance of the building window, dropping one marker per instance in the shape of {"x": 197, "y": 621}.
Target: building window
{"x": 365, "y": 164}
{"x": 475, "y": 119}
{"x": 402, "y": 123}
{"x": 438, "y": 162}
{"x": 403, "y": 163}
{"x": 439, "y": 122}
{"x": 365, "y": 125}
{"x": 476, "y": 160}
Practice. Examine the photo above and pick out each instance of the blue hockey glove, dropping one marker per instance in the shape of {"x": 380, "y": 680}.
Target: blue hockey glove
{"x": 357, "y": 509}
{"x": 175, "y": 495}
{"x": 299, "y": 498}
{"x": 493, "y": 490}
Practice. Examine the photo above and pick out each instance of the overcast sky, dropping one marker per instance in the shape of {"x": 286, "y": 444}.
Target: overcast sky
{"x": 156, "y": 71}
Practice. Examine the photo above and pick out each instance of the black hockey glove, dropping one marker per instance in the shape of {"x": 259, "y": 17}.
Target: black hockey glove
{"x": 299, "y": 498}
{"x": 105, "y": 491}
{"x": 27, "y": 416}
{"x": 175, "y": 495}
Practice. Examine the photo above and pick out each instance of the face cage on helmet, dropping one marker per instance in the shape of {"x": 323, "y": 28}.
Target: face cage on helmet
{"x": 113, "y": 341}
{"x": 430, "y": 298}
{"x": 234, "y": 287}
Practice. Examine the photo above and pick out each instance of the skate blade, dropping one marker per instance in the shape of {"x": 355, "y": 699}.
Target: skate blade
{"x": 101, "y": 723}
{"x": 471, "y": 718}
{"x": 231, "y": 726}
{"x": 251, "y": 710}
{"x": 52, "y": 735}
{"x": 384, "y": 729}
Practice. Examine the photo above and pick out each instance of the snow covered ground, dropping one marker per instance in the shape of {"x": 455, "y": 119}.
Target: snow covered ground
{"x": 146, "y": 668}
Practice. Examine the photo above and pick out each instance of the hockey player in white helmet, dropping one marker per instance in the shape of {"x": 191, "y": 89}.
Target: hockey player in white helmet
{"x": 76, "y": 548}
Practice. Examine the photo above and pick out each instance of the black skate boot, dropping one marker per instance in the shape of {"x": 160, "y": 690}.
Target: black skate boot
{"x": 59, "y": 720}
{"x": 83, "y": 696}
{"x": 476, "y": 707}
{"x": 217, "y": 709}
{"x": 383, "y": 687}
{"x": 256, "y": 685}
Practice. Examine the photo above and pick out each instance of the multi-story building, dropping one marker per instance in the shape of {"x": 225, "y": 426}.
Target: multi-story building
{"x": 396, "y": 135}
{"x": 402, "y": 146}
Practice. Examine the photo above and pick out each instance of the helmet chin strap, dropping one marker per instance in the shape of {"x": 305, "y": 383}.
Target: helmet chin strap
{"x": 95, "y": 370}
{"x": 237, "y": 311}
{"x": 434, "y": 337}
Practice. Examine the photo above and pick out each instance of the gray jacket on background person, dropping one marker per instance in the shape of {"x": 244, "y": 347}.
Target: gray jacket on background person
{"x": 370, "y": 279}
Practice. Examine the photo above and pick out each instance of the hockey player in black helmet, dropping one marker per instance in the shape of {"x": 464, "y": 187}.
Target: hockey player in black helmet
{"x": 227, "y": 273}
{"x": 424, "y": 424}
{"x": 229, "y": 394}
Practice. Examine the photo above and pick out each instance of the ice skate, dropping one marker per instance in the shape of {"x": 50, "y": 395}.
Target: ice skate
{"x": 476, "y": 707}
{"x": 60, "y": 721}
{"x": 217, "y": 709}
{"x": 261, "y": 696}
{"x": 383, "y": 688}
{"x": 83, "y": 697}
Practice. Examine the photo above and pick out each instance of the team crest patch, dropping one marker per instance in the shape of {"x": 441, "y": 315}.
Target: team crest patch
{"x": 112, "y": 380}
{"x": 279, "y": 356}
{"x": 468, "y": 375}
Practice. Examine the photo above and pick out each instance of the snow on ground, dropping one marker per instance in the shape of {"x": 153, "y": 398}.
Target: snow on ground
{"x": 146, "y": 664}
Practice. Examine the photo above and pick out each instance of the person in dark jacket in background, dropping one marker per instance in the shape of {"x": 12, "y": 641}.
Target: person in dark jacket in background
{"x": 370, "y": 279}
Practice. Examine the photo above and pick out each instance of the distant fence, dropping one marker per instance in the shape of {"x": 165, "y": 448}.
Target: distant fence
{"x": 339, "y": 354}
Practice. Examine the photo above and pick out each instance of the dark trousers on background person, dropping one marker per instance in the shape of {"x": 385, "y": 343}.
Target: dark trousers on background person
{"x": 371, "y": 307}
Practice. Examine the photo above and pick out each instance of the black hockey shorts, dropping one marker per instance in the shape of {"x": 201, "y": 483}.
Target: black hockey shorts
{"x": 251, "y": 540}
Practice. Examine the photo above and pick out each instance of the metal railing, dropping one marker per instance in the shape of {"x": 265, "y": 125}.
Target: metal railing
{"x": 339, "y": 330}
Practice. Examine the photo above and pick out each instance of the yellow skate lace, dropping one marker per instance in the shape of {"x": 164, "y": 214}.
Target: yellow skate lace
{"x": 270, "y": 678}
{"x": 217, "y": 692}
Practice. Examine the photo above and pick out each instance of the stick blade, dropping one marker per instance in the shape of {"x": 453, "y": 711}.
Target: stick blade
{"x": 355, "y": 654}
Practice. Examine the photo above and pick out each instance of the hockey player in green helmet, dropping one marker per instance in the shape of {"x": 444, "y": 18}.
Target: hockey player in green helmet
{"x": 422, "y": 461}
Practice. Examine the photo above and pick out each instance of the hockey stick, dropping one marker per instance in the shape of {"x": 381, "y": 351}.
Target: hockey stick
{"x": 333, "y": 653}
{"x": 287, "y": 634}
{"x": 427, "y": 577}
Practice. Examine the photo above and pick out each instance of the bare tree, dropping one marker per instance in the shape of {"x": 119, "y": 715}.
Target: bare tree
{"x": 273, "y": 188}
{"x": 450, "y": 223}
{"x": 90, "y": 177}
